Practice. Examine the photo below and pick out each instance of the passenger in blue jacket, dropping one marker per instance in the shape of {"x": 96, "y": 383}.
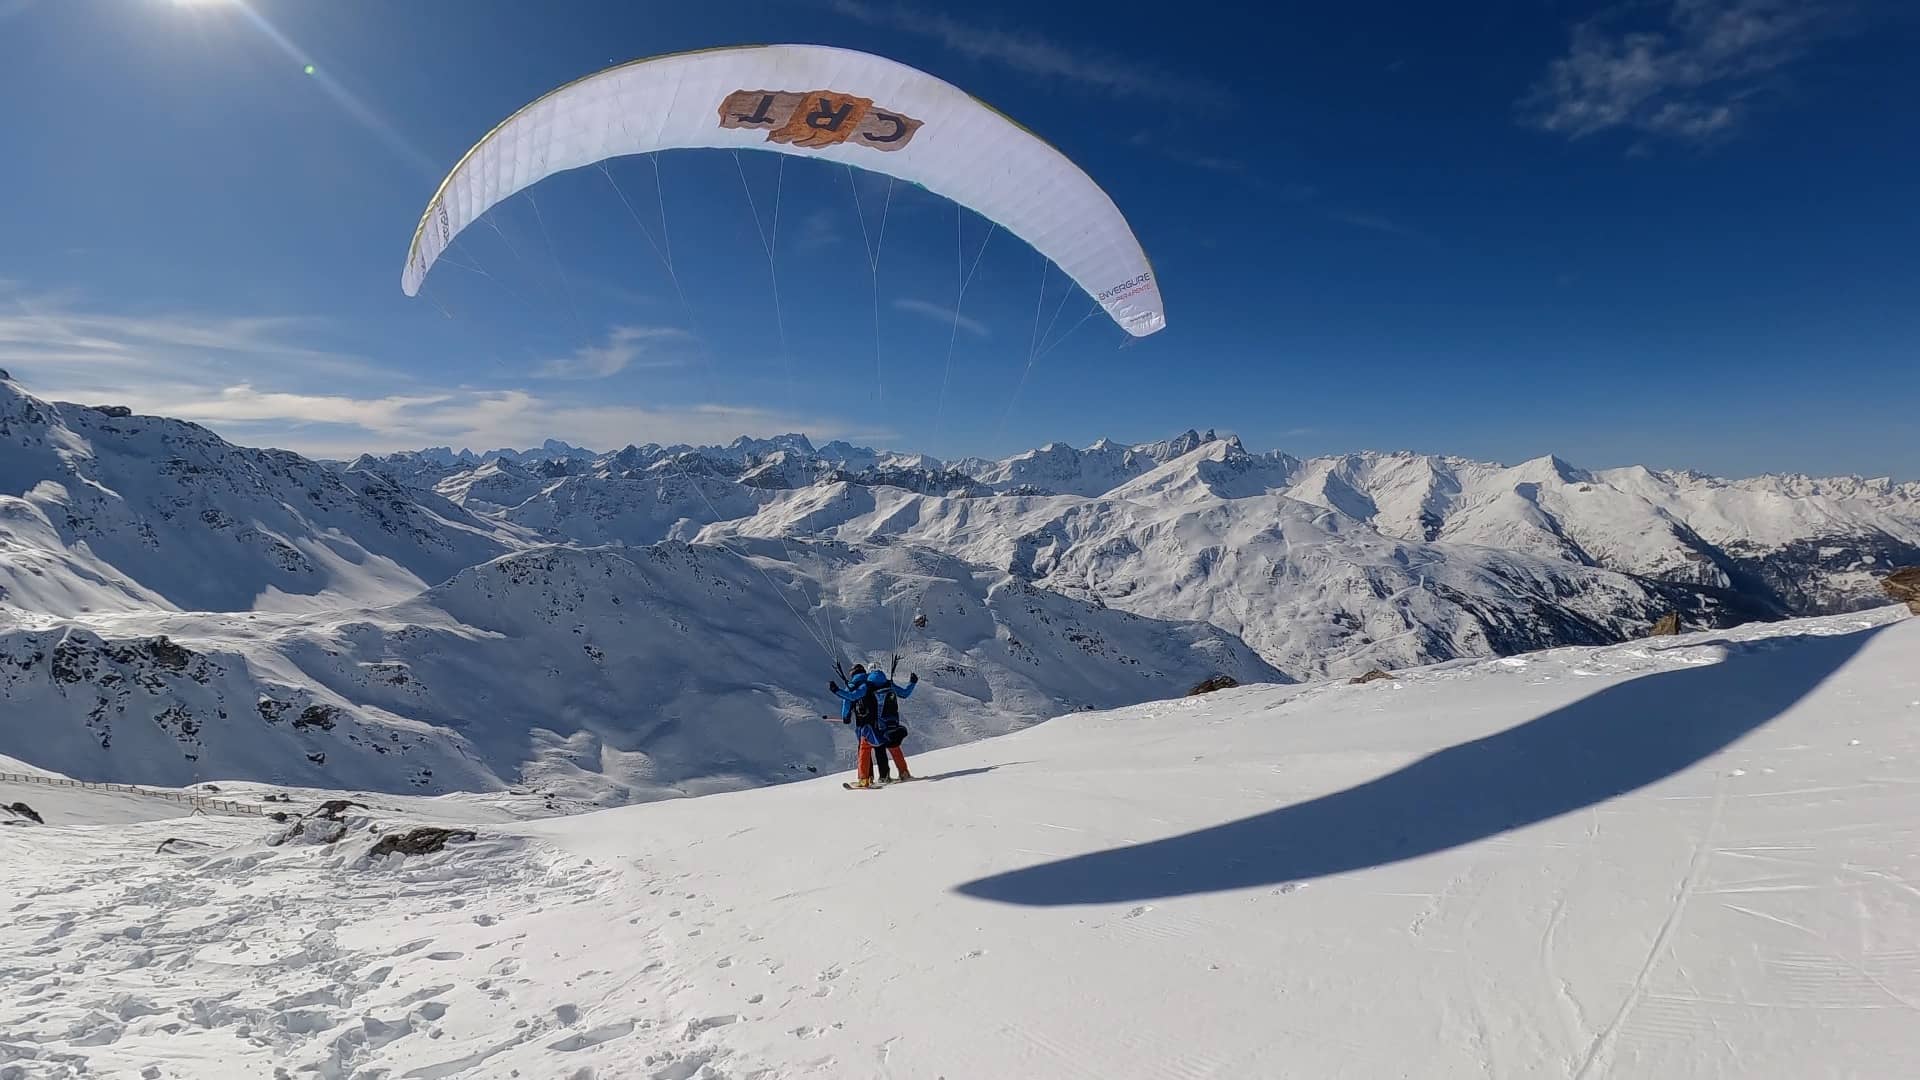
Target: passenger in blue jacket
{"x": 871, "y": 704}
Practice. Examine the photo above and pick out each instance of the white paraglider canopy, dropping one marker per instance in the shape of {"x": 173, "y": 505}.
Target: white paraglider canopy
{"x": 814, "y": 101}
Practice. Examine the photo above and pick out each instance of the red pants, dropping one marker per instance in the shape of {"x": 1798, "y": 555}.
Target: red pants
{"x": 866, "y": 760}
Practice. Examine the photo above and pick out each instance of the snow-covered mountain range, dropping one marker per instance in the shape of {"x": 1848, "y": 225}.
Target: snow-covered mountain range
{"x": 659, "y": 620}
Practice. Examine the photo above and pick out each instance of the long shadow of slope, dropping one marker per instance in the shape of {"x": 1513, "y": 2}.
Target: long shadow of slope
{"x": 1618, "y": 740}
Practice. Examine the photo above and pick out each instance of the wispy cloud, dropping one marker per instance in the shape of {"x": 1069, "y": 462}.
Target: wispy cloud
{"x": 51, "y": 339}
{"x": 1171, "y": 147}
{"x": 1034, "y": 55}
{"x": 1375, "y": 223}
{"x": 945, "y": 316}
{"x": 818, "y": 229}
{"x": 1689, "y": 76}
{"x": 342, "y": 426}
{"x": 624, "y": 349}
{"x": 254, "y": 380}
{"x": 1145, "y": 140}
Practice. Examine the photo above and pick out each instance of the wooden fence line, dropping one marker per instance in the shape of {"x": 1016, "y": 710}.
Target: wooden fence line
{"x": 198, "y": 802}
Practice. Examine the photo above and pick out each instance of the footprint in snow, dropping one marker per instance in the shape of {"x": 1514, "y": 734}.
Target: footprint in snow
{"x": 598, "y": 1035}
{"x": 697, "y": 1028}
{"x": 568, "y": 1015}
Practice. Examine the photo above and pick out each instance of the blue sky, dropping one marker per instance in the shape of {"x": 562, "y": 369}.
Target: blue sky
{"x": 1677, "y": 232}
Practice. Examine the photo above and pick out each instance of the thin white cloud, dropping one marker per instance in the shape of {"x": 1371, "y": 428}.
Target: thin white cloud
{"x": 49, "y": 339}
{"x": 819, "y": 229}
{"x": 342, "y": 426}
{"x": 1689, "y": 77}
{"x": 945, "y": 316}
{"x": 1375, "y": 223}
{"x": 1174, "y": 151}
{"x": 255, "y": 381}
{"x": 1034, "y": 55}
{"x": 623, "y": 349}
{"x": 1171, "y": 146}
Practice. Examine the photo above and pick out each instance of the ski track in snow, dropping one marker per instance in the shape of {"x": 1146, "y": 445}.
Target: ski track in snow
{"x": 1752, "y": 914}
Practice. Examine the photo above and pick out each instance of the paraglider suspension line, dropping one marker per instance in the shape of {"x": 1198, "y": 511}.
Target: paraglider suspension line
{"x": 873, "y": 246}
{"x": 964, "y": 275}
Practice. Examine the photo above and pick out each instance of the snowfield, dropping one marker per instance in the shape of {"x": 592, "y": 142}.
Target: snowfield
{"x": 1683, "y": 857}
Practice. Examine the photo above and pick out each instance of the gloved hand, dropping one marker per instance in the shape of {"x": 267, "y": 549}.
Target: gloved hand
{"x": 832, "y": 687}
{"x": 912, "y": 678}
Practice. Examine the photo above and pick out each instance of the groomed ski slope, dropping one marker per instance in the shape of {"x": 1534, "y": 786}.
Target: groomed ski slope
{"x": 1685, "y": 857}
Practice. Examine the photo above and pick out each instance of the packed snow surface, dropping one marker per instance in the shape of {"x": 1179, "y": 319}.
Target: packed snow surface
{"x": 1683, "y": 857}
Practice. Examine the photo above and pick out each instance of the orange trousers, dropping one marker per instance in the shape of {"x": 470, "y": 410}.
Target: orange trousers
{"x": 866, "y": 760}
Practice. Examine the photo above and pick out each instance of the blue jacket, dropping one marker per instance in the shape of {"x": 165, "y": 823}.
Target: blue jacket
{"x": 883, "y": 688}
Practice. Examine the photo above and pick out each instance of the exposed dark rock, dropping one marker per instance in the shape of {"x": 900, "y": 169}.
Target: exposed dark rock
{"x": 21, "y": 809}
{"x": 425, "y": 840}
{"x": 1218, "y": 682}
{"x": 1668, "y": 626}
{"x": 118, "y": 412}
{"x": 317, "y": 716}
{"x": 324, "y": 824}
{"x": 1904, "y": 584}
{"x": 335, "y": 809}
{"x": 1372, "y": 676}
{"x": 1798, "y": 577}
{"x": 167, "y": 654}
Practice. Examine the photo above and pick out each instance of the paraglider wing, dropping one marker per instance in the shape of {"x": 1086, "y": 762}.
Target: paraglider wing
{"x": 820, "y": 102}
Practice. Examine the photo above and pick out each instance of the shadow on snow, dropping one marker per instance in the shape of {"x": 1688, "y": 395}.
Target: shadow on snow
{"x": 1615, "y": 741}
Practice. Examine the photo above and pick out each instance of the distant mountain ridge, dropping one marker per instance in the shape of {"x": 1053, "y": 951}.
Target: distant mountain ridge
{"x": 660, "y": 620}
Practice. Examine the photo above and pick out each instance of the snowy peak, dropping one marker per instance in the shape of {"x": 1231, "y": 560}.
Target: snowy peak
{"x": 1218, "y": 469}
{"x": 1060, "y": 469}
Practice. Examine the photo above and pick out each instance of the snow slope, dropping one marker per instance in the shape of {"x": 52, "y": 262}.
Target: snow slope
{"x": 592, "y": 675}
{"x": 107, "y": 512}
{"x": 1794, "y": 544}
{"x": 1313, "y": 591}
{"x": 1691, "y": 857}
